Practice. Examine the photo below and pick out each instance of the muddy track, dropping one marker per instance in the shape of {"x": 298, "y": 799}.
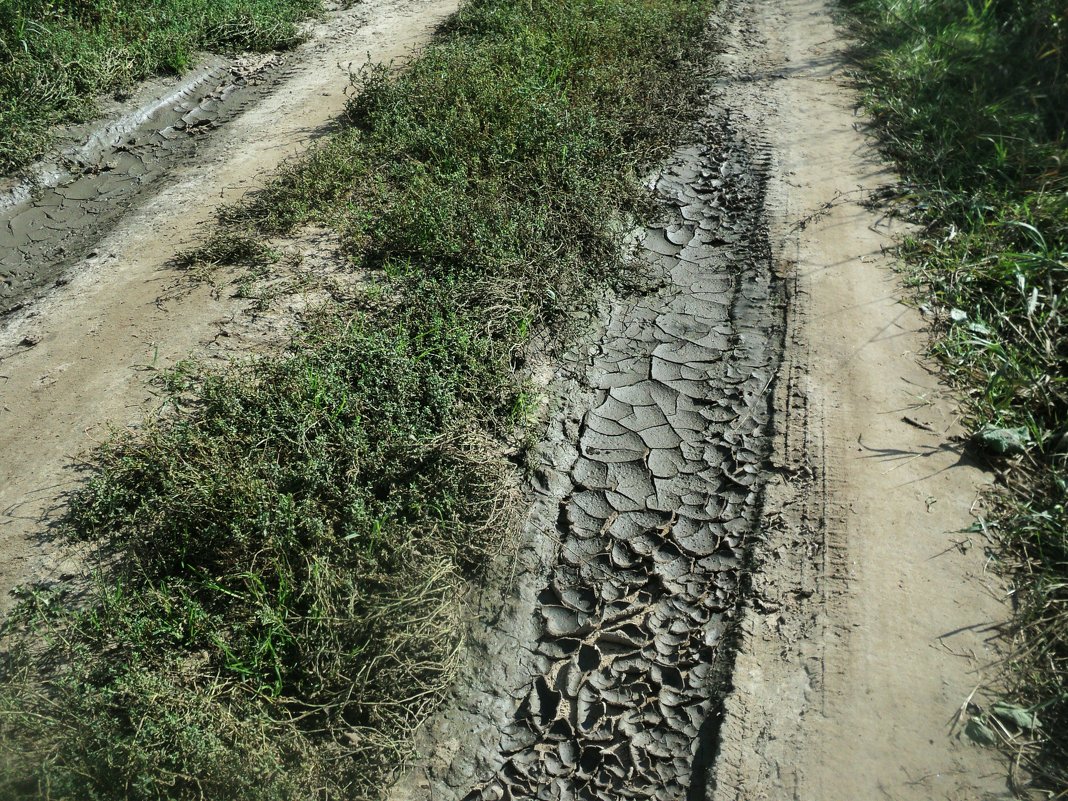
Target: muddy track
{"x": 49, "y": 219}
{"x": 648, "y": 493}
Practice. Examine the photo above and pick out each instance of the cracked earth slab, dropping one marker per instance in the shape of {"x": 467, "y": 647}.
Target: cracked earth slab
{"x": 78, "y": 358}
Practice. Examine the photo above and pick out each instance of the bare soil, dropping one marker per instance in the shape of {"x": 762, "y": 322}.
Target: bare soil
{"x": 857, "y": 609}
{"x": 78, "y": 358}
{"x": 874, "y": 610}
{"x": 598, "y": 674}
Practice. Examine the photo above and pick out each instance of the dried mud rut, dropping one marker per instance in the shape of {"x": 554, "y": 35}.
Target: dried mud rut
{"x": 742, "y": 575}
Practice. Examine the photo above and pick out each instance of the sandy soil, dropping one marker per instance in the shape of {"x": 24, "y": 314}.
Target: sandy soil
{"x": 81, "y": 358}
{"x": 873, "y": 610}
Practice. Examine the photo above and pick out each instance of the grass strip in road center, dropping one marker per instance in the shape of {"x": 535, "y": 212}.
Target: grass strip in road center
{"x": 971, "y": 99}
{"x": 289, "y": 549}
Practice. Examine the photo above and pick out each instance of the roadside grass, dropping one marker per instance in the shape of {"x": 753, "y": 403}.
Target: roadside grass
{"x": 971, "y": 100}
{"x": 58, "y": 56}
{"x": 284, "y": 554}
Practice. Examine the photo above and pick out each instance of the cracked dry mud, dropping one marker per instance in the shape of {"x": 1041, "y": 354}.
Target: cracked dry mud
{"x": 650, "y": 486}
{"x": 48, "y": 221}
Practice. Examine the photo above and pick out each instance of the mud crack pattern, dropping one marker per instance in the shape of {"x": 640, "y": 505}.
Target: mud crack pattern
{"x": 660, "y": 495}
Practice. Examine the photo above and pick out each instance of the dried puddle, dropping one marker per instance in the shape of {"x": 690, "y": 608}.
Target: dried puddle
{"x": 601, "y": 675}
{"x": 49, "y": 220}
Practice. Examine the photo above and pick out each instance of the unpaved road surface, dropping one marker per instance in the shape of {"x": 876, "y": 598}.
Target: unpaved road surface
{"x": 744, "y": 575}
{"x": 873, "y": 610}
{"x": 79, "y": 357}
{"x": 648, "y": 493}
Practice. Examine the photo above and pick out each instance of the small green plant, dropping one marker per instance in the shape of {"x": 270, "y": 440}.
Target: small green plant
{"x": 57, "y": 57}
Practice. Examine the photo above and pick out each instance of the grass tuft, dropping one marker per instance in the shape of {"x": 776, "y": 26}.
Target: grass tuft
{"x": 227, "y": 248}
{"x": 58, "y": 56}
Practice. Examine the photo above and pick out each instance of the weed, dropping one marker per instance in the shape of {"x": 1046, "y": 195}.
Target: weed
{"x": 226, "y": 248}
{"x": 58, "y": 56}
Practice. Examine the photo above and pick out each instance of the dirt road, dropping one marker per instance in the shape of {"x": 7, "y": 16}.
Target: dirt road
{"x": 873, "y": 607}
{"x": 868, "y": 622}
{"x": 80, "y": 357}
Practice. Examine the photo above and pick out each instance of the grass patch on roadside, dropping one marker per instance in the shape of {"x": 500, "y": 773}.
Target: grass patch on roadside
{"x": 289, "y": 549}
{"x": 57, "y": 56}
{"x": 971, "y": 100}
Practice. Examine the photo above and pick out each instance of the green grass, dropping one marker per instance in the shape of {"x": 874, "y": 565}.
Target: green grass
{"x": 58, "y": 56}
{"x": 286, "y": 551}
{"x": 971, "y": 100}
